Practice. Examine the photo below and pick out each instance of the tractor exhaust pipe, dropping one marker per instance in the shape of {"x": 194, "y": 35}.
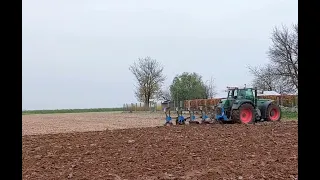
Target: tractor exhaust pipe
{"x": 255, "y": 97}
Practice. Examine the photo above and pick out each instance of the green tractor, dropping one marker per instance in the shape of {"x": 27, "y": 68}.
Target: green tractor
{"x": 243, "y": 106}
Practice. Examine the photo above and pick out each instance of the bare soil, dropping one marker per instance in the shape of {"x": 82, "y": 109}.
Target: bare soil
{"x": 214, "y": 151}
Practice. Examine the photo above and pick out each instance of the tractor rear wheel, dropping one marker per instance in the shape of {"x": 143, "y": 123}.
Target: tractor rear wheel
{"x": 245, "y": 114}
{"x": 273, "y": 113}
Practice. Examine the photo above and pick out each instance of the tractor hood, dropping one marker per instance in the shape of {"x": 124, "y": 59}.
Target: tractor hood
{"x": 222, "y": 102}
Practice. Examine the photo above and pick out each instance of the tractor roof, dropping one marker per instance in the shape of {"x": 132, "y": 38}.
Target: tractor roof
{"x": 232, "y": 87}
{"x": 236, "y": 87}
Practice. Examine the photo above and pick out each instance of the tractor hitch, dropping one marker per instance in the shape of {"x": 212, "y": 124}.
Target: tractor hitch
{"x": 220, "y": 114}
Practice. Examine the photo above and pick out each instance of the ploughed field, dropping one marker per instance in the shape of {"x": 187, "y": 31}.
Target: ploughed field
{"x": 56, "y": 147}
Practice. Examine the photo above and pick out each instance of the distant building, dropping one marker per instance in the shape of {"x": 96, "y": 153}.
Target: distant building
{"x": 166, "y": 104}
{"x": 269, "y": 93}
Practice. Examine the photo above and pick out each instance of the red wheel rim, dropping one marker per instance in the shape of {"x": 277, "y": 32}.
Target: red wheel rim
{"x": 274, "y": 114}
{"x": 246, "y": 115}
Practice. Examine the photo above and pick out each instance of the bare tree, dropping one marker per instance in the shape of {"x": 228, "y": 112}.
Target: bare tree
{"x": 210, "y": 88}
{"x": 281, "y": 74}
{"x": 148, "y": 73}
{"x": 266, "y": 79}
{"x": 162, "y": 94}
{"x": 165, "y": 94}
{"x": 284, "y": 54}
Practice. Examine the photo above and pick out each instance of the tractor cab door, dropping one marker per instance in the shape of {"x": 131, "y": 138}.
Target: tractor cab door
{"x": 232, "y": 96}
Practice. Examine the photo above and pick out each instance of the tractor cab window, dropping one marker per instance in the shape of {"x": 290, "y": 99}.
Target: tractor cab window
{"x": 241, "y": 94}
{"x": 246, "y": 94}
{"x": 232, "y": 94}
{"x": 249, "y": 93}
{"x": 235, "y": 94}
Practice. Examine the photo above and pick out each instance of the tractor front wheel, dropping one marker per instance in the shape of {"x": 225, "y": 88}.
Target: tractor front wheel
{"x": 273, "y": 113}
{"x": 245, "y": 114}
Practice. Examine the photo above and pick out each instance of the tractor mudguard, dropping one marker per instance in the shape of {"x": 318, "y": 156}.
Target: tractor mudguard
{"x": 264, "y": 108}
{"x": 236, "y": 104}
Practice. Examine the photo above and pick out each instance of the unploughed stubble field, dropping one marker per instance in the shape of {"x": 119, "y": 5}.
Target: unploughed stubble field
{"x": 115, "y": 145}
{"x": 93, "y": 121}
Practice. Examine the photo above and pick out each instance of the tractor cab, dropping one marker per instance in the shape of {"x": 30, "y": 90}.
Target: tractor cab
{"x": 235, "y": 93}
{"x": 247, "y": 93}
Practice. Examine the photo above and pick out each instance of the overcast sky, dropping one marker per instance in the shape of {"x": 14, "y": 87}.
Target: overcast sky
{"x": 76, "y": 53}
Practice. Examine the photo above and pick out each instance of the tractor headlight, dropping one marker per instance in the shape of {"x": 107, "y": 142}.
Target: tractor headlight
{"x": 236, "y": 102}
